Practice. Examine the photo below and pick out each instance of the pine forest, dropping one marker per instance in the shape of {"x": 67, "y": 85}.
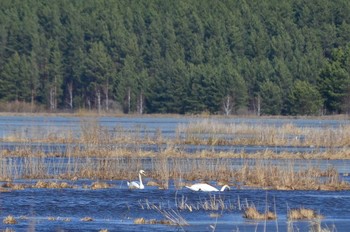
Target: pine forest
{"x": 268, "y": 57}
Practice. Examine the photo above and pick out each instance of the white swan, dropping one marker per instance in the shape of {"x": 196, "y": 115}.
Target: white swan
{"x": 135, "y": 184}
{"x": 206, "y": 188}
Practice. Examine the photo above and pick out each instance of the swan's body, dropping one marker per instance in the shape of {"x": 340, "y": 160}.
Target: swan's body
{"x": 206, "y": 188}
{"x": 137, "y": 184}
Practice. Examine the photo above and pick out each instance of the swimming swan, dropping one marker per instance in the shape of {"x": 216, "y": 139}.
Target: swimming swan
{"x": 136, "y": 184}
{"x": 206, "y": 188}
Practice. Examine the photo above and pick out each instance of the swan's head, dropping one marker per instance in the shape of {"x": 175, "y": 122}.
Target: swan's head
{"x": 225, "y": 187}
{"x": 142, "y": 172}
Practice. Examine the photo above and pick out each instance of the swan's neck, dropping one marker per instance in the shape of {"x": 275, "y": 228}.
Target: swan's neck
{"x": 224, "y": 187}
{"x": 140, "y": 178}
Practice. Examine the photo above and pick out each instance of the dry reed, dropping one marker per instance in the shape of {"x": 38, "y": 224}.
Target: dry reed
{"x": 214, "y": 203}
{"x": 54, "y": 185}
{"x": 259, "y": 174}
{"x": 173, "y": 217}
{"x": 290, "y": 178}
{"x": 152, "y": 221}
{"x": 207, "y": 132}
{"x": 171, "y": 152}
{"x": 303, "y": 214}
{"x": 86, "y": 219}
{"x": 100, "y": 185}
{"x": 252, "y": 213}
{"x": 153, "y": 183}
{"x": 216, "y": 133}
{"x": 99, "y": 160}
{"x": 10, "y": 220}
{"x": 140, "y": 221}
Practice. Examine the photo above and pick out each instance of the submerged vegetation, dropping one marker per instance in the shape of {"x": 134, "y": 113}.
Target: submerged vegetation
{"x": 290, "y": 176}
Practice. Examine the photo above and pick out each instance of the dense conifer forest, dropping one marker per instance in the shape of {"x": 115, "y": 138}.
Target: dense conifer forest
{"x": 268, "y": 57}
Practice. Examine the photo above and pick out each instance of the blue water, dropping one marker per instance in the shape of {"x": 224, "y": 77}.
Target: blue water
{"x": 167, "y": 125}
{"x": 116, "y": 208}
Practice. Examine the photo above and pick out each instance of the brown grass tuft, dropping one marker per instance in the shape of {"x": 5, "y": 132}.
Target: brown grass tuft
{"x": 100, "y": 185}
{"x": 18, "y": 187}
{"x": 10, "y": 220}
{"x": 54, "y": 185}
{"x": 252, "y": 213}
{"x": 153, "y": 183}
{"x": 152, "y": 221}
{"x": 41, "y": 184}
{"x": 303, "y": 214}
{"x": 140, "y": 221}
{"x": 86, "y": 219}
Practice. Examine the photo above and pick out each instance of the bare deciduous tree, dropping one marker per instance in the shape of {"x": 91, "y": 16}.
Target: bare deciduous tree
{"x": 257, "y": 105}
{"x": 228, "y": 104}
{"x": 98, "y": 98}
{"x": 140, "y": 101}
{"x": 70, "y": 92}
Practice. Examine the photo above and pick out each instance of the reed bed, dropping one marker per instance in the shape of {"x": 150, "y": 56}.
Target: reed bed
{"x": 213, "y": 203}
{"x": 173, "y": 152}
{"x": 96, "y": 152}
{"x": 259, "y": 174}
{"x": 205, "y": 132}
{"x": 9, "y": 185}
{"x": 217, "y": 133}
{"x": 172, "y": 216}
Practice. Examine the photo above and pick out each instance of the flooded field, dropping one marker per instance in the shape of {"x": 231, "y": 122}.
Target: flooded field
{"x": 116, "y": 209}
{"x": 80, "y": 206}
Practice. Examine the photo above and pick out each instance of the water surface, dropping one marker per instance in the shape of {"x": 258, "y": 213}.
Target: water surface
{"x": 116, "y": 208}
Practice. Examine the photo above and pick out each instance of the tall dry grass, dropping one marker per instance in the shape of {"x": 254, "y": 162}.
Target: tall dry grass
{"x": 291, "y": 177}
{"x": 96, "y": 152}
{"x": 252, "y": 213}
{"x": 217, "y": 133}
{"x": 259, "y": 174}
{"x": 106, "y": 151}
{"x": 207, "y": 132}
{"x": 303, "y": 214}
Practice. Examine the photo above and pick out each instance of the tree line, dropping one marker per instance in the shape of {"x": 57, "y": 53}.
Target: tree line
{"x": 179, "y": 56}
